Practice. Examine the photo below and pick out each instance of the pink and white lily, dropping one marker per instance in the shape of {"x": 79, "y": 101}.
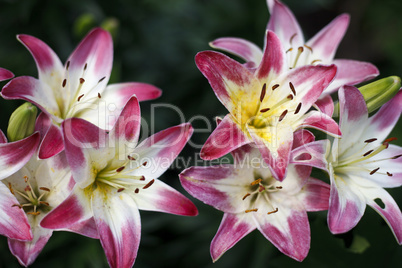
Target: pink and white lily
{"x": 266, "y": 106}
{"x": 79, "y": 89}
{"x": 251, "y": 198}
{"x": 116, "y": 178}
{"x": 13, "y": 156}
{"x": 363, "y": 162}
{"x": 320, "y": 49}
{"x": 38, "y": 187}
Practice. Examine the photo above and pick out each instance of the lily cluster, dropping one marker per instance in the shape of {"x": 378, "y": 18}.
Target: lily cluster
{"x": 80, "y": 166}
{"x": 272, "y": 98}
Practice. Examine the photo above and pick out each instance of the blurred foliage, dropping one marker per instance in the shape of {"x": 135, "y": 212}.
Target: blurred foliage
{"x": 155, "y": 42}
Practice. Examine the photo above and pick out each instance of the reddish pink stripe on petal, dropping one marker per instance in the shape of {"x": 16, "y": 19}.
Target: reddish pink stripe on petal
{"x": 239, "y": 47}
{"x": 52, "y": 143}
{"x": 273, "y": 61}
{"x": 5, "y": 74}
{"x": 127, "y": 126}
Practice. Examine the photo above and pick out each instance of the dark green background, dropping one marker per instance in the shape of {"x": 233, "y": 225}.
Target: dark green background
{"x": 155, "y": 42}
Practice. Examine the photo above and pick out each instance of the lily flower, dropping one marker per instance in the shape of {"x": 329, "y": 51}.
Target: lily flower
{"x": 266, "y": 106}
{"x": 13, "y": 156}
{"x": 363, "y": 162}
{"x": 320, "y": 49}
{"x": 251, "y": 198}
{"x": 38, "y": 187}
{"x": 79, "y": 89}
{"x": 115, "y": 178}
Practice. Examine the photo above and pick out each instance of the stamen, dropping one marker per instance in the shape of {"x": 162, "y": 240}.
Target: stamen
{"x": 26, "y": 179}
{"x": 44, "y": 189}
{"x": 290, "y": 49}
{"x": 149, "y": 184}
{"x": 67, "y": 65}
{"x": 278, "y": 187}
{"x": 136, "y": 190}
{"x": 103, "y": 78}
{"x": 130, "y": 157}
{"x": 368, "y": 152}
{"x": 274, "y": 211}
{"x": 291, "y": 38}
{"x": 263, "y": 91}
{"x": 396, "y": 156}
{"x": 283, "y": 115}
{"x": 145, "y": 163}
{"x": 256, "y": 182}
{"x": 308, "y": 47}
{"x": 11, "y": 188}
{"x": 79, "y": 98}
{"x": 245, "y": 196}
{"x": 82, "y": 80}
{"x": 374, "y": 171}
{"x": 292, "y": 88}
{"x": 275, "y": 87}
{"x": 264, "y": 110}
{"x": 16, "y": 205}
{"x": 389, "y": 140}
{"x": 120, "y": 190}
{"x": 389, "y": 174}
{"x": 370, "y": 140}
{"x": 314, "y": 61}
{"x": 120, "y": 169}
{"x": 64, "y": 83}
{"x": 298, "y": 108}
{"x": 44, "y": 203}
{"x": 34, "y": 213}
{"x": 85, "y": 66}
{"x": 99, "y": 95}
{"x": 251, "y": 210}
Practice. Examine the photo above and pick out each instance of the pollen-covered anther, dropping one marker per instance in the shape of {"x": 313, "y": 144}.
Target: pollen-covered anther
{"x": 136, "y": 190}
{"x": 290, "y": 49}
{"x": 291, "y": 38}
{"x": 298, "y": 108}
{"x": 309, "y": 48}
{"x": 120, "y": 169}
{"x": 282, "y": 116}
{"x": 44, "y": 203}
{"x": 368, "y": 152}
{"x": 26, "y": 178}
{"x": 79, "y": 98}
{"x": 275, "y": 87}
{"x": 258, "y": 181}
{"x": 389, "y": 174}
{"x": 263, "y": 91}
{"x": 148, "y": 184}
{"x": 292, "y": 88}
{"x": 99, "y": 95}
{"x": 396, "y": 156}
{"x": 103, "y": 78}
{"x": 85, "y": 66}
{"x": 35, "y": 213}
{"x": 251, "y": 210}
{"x": 44, "y": 189}
{"x": 145, "y": 163}
{"x": 245, "y": 196}
{"x": 374, "y": 171}
{"x": 279, "y": 187}
{"x": 390, "y": 139}
{"x": 314, "y": 61}
{"x": 82, "y": 80}
{"x": 264, "y": 110}
{"x": 67, "y": 65}
{"x": 10, "y": 188}
{"x": 120, "y": 190}
{"x": 273, "y": 211}
{"x": 64, "y": 83}
{"x": 130, "y": 158}
{"x": 370, "y": 140}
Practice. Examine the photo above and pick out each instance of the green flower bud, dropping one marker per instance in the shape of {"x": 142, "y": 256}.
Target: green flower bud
{"x": 22, "y": 122}
{"x": 379, "y": 92}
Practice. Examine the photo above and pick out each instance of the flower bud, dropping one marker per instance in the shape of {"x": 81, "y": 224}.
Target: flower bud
{"x": 379, "y": 92}
{"x": 22, "y": 122}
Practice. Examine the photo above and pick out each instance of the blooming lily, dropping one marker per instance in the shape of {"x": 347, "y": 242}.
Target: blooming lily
{"x": 362, "y": 163}
{"x": 267, "y": 105}
{"x": 76, "y": 90}
{"x": 39, "y": 186}
{"x": 251, "y": 198}
{"x": 115, "y": 178}
{"x": 318, "y": 50}
{"x": 13, "y": 156}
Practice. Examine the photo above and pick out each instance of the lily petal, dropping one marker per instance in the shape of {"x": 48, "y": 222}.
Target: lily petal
{"x": 52, "y": 143}
{"x": 315, "y": 195}
{"x": 320, "y": 121}
{"x": 325, "y": 104}
{"x": 118, "y": 221}
{"x": 5, "y": 74}
{"x": 14, "y": 155}
{"x": 42, "y": 124}
{"x": 326, "y": 41}
{"x": 13, "y": 220}
{"x": 351, "y": 72}
{"x": 225, "y": 138}
{"x": 163, "y": 198}
{"x": 232, "y": 229}
{"x": 312, "y": 154}
{"x": 239, "y": 47}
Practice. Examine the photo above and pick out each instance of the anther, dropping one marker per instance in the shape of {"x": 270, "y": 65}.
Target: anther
{"x": 64, "y": 83}
{"x": 142, "y": 178}
{"x": 389, "y": 140}
{"x": 99, "y": 95}
{"x": 145, "y": 163}
{"x": 264, "y": 110}
{"x": 368, "y": 152}
{"x": 290, "y": 97}
{"x": 279, "y": 187}
{"x": 16, "y": 205}
{"x": 374, "y": 171}
{"x": 396, "y": 156}
{"x": 44, "y": 189}
{"x": 120, "y": 169}
{"x": 26, "y": 178}
{"x": 85, "y": 66}
{"x": 292, "y": 37}
{"x": 370, "y": 140}
{"x": 298, "y": 108}
{"x": 314, "y": 61}
{"x": 389, "y": 174}
{"x": 120, "y": 190}
{"x": 283, "y": 115}
{"x": 103, "y": 78}
{"x": 292, "y": 88}
{"x": 67, "y": 65}
{"x": 290, "y": 49}
{"x": 256, "y": 182}
{"x": 275, "y": 87}
{"x": 136, "y": 190}
{"x": 11, "y": 188}
{"x": 149, "y": 184}
{"x": 263, "y": 91}
{"x": 309, "y": 48}
{"x": 82, "y": 80}
{"x": 79, "y": 98}
{"x": 251, "y": 210}
{"x": 272, "y": 212}
{"x": 245, "y": 196}
{"x": 44, "y": 203}
{"x": 34, "y": 213}
{"x": 130, "y": 157}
